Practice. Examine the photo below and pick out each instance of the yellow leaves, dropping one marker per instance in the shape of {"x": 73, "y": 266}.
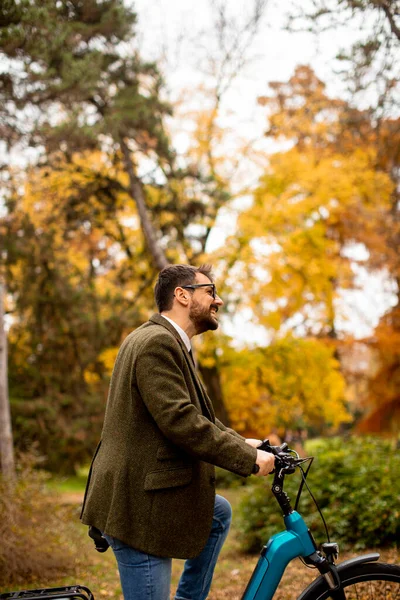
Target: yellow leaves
{"x": 90, "y": 377}
{"x": 208, "y": 362}
{"x": 76, "y": 187}
{"x": 308, "y": 206}
{"x": 80, "y": 210}
{"x": 205, "y": 126}
{"x": 302, "y": 188}
{"x": 273, "y": 319}
{"x": 107, "y": 357}
{"x": 291, "y": 384}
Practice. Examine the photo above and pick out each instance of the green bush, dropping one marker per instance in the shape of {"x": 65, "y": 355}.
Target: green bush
{"x": 356, "y": 482}
{"x": 226, "y": 479}
{"x": 65, "y": 429}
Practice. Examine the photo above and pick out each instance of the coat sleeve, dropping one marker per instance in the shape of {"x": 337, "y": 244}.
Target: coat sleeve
{"x": 223, "y": 427}
{"x": 161, "y": 383}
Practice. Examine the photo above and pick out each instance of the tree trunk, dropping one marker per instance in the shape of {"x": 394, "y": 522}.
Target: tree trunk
{"x": 136, "y": 189}
{"x": 212, "y": 382}
{"x": 6, "y": 441}
{"x": 210, "y": 375}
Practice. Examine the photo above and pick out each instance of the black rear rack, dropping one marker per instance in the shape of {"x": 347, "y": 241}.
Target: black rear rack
{"x": 71, "y": 592}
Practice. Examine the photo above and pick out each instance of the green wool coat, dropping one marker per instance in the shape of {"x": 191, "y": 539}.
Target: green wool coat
{"x": 152, "y": 482}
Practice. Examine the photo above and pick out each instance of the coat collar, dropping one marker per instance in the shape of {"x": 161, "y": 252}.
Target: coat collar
{"x": 181, "y": 332}
{"x": 159, "y": 320}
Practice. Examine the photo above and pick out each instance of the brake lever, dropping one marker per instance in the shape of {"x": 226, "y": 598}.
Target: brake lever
{"x": 289, "y": 466}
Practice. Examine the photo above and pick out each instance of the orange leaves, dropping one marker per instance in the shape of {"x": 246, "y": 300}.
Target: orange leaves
{"x": 301, "y": 111}
{"x": 383, "y": 399}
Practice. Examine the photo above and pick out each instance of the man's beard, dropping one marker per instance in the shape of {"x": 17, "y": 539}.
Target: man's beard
{"x": 202, "y": 318}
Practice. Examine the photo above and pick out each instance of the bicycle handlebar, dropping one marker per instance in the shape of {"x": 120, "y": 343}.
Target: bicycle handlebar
{"x": 286, "y": 460}
{"x": 286, "y": 463}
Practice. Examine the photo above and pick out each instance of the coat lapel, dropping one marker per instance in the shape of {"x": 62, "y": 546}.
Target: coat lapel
{"x": 204, "y": 399}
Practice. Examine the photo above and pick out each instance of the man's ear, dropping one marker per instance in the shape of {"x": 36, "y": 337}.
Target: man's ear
{"x": 182, "y": 296}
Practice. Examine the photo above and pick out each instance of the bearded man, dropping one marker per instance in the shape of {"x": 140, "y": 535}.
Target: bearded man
{"x": 151, "y": 486}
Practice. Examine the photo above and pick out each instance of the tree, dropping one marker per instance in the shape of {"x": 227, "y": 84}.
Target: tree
{"x": 382, "y": 401}
{"x": 79, "y": 281}
{"x": 336, "y": 188}
{"x": 293, "y": 384}
{"x": 371, "y": 62}
{"x": 72, "y": 263}
{"x": 371, "y": 70}
{"x": 105, "y": 97}
{"x": 314, "y": 202}
{"x": 98, "y": 87}
{"x": 6, "y": 440}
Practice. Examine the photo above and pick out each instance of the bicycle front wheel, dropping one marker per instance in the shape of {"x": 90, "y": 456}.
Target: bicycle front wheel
{"x": 367, "y": 581}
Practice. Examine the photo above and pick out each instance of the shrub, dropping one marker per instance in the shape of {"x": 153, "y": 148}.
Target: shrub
{"x": 226, "y": 479}
{"x": 64, "y": 428}
{"x": 33, "y": 532}
{"x": 356, "y": 482}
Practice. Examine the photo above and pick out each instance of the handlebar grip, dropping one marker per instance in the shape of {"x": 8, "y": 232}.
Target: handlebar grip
{"x": 281, "y": 454}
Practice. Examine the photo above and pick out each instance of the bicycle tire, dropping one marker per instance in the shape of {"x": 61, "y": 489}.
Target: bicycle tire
{"x": 367, "y": 581}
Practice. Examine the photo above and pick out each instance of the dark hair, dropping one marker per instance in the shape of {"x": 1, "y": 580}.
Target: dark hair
{"x": 172, "y": 277}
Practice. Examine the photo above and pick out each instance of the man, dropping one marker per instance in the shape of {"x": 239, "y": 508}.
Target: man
{"x": 151, "y": 486}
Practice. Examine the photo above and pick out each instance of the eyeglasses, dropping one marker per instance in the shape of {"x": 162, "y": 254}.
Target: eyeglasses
{"x": 198, "y": 285}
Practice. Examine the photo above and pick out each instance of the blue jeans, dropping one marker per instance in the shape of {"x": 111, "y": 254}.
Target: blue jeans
{"x": 147, "y": 577}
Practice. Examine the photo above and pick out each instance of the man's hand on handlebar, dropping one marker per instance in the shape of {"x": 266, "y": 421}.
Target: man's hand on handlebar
{"x": 266, "y": 462}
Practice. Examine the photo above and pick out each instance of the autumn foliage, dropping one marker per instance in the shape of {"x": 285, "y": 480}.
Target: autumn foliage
{"x": 109, "y": 201}
{"x": 324, "y": 208}
{"x": 293, "y": 383}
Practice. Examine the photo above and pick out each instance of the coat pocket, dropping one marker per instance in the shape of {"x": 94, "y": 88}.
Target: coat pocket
{"x": 168, "y": 478}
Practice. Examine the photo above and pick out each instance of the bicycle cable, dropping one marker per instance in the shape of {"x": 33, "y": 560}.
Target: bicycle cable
{"x": 304, "y": 482}
{"x": 304, "y": 477}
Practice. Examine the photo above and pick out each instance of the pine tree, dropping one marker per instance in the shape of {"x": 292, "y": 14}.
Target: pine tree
{"x": 76, "y": 76}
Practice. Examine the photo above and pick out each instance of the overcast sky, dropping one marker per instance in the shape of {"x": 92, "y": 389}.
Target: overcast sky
{"x": 175, "y": 26}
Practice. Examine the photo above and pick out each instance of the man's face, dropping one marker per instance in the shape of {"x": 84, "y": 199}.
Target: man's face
{"x": 204, "y": 307}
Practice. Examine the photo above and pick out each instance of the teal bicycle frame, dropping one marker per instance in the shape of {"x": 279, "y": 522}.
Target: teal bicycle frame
{"x": 275, "y": 556}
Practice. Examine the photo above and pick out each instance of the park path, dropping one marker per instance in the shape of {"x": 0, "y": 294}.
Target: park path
{"x": 70, "y": 498}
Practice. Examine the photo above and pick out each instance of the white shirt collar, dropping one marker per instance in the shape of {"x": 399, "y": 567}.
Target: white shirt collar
{"x": 183, "y": 334}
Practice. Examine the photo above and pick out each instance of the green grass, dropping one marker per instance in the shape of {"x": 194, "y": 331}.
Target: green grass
{"x": 72, "y": 484}
{"x": 65, "y": 485}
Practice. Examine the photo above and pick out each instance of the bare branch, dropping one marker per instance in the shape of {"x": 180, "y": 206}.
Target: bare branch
{"x": 137, "y": 194}
{"x": 385, "y": 5}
